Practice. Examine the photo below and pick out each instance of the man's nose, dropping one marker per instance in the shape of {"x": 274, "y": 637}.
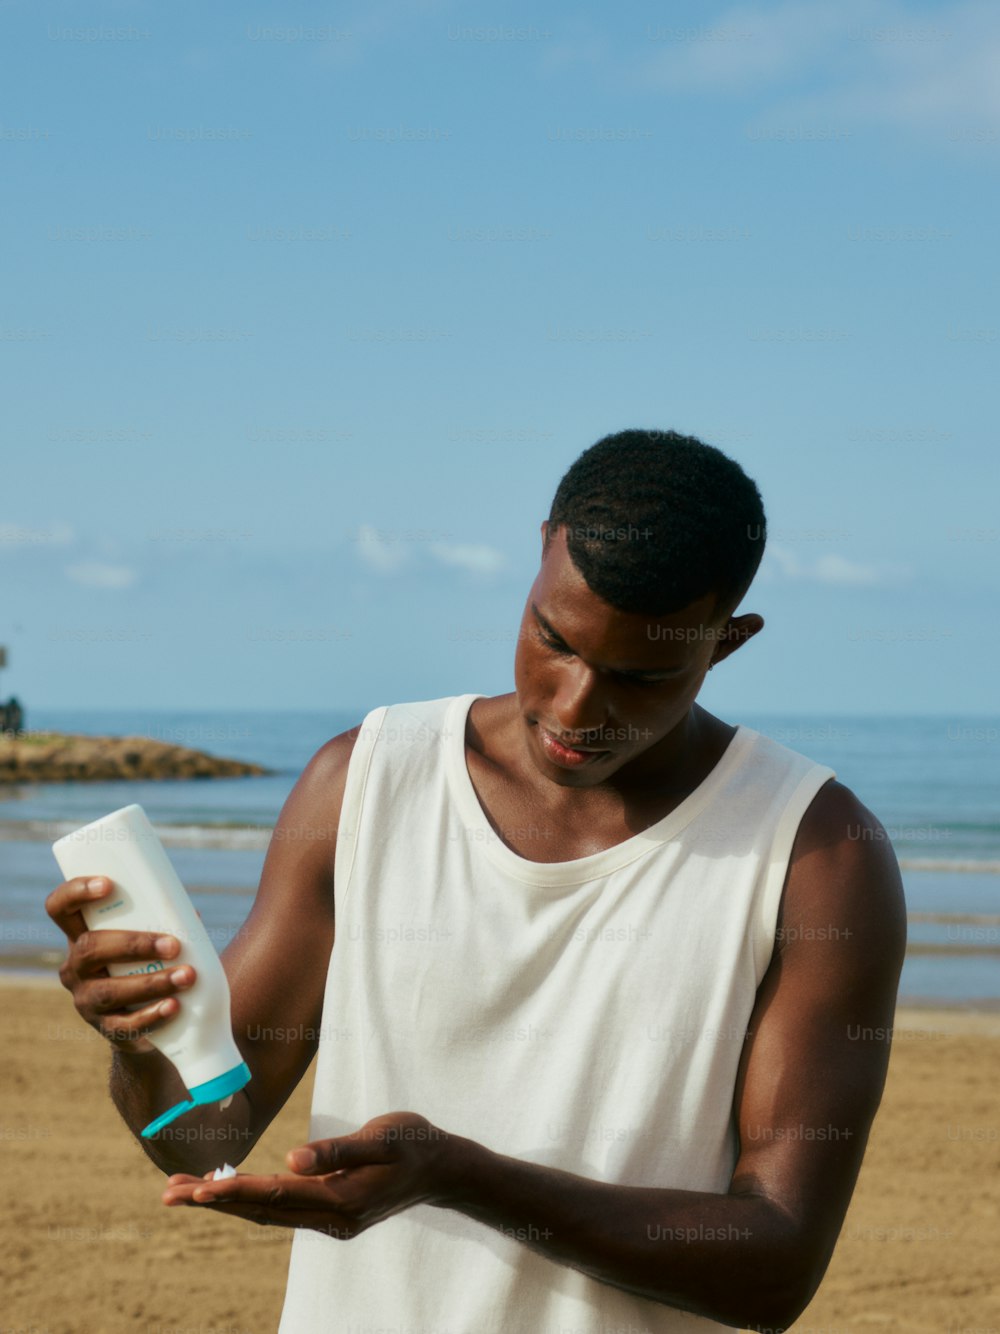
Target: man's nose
{"x": 578, "y": 706}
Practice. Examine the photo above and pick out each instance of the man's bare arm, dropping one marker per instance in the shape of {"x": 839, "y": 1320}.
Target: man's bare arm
{"x": 752, "y": 1257}
{"x": 276, "y": 966}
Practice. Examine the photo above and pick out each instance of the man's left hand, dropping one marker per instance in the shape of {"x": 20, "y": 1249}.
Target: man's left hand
{"x": 340, "y": 1186}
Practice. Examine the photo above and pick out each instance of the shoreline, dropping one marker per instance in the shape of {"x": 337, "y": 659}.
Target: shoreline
{"x": 975, "y": 1019}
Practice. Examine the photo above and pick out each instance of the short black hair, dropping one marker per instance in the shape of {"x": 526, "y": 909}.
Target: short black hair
{"x": 655, "y": 520}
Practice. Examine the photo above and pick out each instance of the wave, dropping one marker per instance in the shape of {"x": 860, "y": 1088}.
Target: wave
{"x": 964, "y": 864}
{"x": 239, "y": 837}
{"x": 233, "y": 837}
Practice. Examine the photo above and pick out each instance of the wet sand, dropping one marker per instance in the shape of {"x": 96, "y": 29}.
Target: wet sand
{"x": 89, "y": 1249}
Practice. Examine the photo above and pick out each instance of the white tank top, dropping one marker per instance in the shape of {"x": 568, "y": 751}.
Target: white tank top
{"x": 588, "y": 1015}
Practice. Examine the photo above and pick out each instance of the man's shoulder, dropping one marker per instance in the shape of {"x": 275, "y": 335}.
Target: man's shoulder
{"x": 411, "y": 727}
{"x": 777, "y": 746}
{"x": 837, "y": 818}
{"x": 393, "y": 727}
{"x": 413, "y": 722}
{"x": 843, "y": 874}
{"x": 772, "y": 753}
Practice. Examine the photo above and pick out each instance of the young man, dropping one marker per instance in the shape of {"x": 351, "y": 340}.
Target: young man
{"x": 611, "y": 953}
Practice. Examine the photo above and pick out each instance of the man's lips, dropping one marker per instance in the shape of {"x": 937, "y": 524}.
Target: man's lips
{"x": 572, "y": 745}
{"x": 560, "y": 749}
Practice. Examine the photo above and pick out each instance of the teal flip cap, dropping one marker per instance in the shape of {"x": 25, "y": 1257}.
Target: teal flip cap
{"x": 213, "y": 1090}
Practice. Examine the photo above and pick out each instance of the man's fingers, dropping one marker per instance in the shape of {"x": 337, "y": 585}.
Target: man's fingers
{"x": 94, "y": 950}
{"x": 64, "y": 903}
{"x": 103, "y": 993}
{"x": 321, "y": 1219}
{"x": 135, "y": 1024}
{"x": 125, "y": 1009}
{"x": 272, "y": 1191}
{"x": 269, "y": 1201}
{"x": 122, "y": 1008}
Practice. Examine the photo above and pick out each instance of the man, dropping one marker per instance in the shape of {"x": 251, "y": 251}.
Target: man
{"x": 608, "y": 950}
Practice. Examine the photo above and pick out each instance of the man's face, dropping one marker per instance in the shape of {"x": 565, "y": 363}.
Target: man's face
{"x": 604, "y": 681}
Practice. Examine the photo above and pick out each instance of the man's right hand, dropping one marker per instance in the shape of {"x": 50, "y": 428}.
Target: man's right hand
{"x": 276, "y": 965}
{"x": 121, "y": 1009}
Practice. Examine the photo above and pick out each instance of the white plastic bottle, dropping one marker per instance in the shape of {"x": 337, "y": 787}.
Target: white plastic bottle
{"x": 147, "y": 895}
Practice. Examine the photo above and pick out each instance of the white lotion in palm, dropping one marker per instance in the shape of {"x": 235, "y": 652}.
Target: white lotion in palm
{"x": 147, "y": 895}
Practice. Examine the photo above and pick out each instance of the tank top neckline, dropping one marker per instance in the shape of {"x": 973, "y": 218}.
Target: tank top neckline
{"x": 577, "y": 870}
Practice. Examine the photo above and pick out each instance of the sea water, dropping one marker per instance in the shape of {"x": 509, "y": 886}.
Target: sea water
{"x": 933, "y": 782}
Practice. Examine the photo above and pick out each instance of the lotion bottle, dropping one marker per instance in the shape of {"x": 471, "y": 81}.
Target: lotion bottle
{"x": 147, "y": 895}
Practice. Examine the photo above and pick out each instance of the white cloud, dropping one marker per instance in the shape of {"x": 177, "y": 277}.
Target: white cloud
{"x": 93, "y": 574}
{"x": 779, "y": 561}
{"x": 864, "y": 61}
{"x": 475, "y": 559}
{"x": 379, "y": 555}
{"x": 783, "y": 565}
{"x": 26, "y": 534}
{"x": 946, "y": 85}
{"x": 743, "y": 47}
{"x": 834, "y": 569}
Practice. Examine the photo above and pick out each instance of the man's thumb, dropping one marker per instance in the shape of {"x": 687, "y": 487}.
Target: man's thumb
{"x": 332, "y": 1155}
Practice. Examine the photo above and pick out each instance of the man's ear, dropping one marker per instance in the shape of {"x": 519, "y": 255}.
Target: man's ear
{"x": 545, "y": 532}
{"x": 736, "y": 632}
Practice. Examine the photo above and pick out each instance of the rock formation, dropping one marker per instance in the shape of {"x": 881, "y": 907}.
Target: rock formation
{"x": 58, "y": 757}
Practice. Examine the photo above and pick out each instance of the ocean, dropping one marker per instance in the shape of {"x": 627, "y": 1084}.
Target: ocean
{"x": 933, "y": 782}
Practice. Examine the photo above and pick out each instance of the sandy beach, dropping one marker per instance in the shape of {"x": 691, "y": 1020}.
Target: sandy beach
{"x": 89, "y": 1249}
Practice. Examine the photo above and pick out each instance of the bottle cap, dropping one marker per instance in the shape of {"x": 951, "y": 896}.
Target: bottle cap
{"x": 213, "y": 1090}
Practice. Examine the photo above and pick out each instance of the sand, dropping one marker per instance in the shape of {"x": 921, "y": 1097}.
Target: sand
{"x": 88, "y": 1248}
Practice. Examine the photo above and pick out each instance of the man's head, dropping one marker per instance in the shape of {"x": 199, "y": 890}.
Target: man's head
{"x": 655, "y": 520}
{"x": 652, "y": 540}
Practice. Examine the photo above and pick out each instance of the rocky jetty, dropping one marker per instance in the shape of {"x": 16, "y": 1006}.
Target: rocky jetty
{"x": 60, "y": 757}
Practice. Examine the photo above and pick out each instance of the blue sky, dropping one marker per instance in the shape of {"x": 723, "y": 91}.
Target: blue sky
{"x": 308, "y": 308}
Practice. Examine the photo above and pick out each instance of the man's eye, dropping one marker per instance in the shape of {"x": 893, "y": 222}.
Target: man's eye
{"x": 556, "y": 645}
{"x": 651, "y": 680}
